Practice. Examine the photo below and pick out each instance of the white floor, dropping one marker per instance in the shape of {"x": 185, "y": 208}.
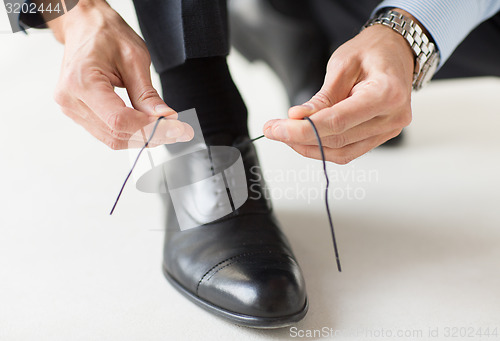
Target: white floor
{"x": 418, "y": 226}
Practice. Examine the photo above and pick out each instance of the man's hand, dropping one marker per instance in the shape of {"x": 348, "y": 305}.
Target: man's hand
{"x": 364, "y": 101}
{"x": 101, "y": 52}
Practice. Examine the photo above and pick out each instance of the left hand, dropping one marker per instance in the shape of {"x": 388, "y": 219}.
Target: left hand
{"x": 364, "y": 101}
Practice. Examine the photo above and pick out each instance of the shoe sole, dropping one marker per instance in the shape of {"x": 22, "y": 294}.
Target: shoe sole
{"x": 239, "y": 319}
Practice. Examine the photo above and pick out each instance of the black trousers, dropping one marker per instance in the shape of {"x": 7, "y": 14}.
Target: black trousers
{"x": 176, "y": 30}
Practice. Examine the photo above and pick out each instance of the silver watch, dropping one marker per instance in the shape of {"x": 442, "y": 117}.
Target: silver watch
{"x": 426, "y": 54}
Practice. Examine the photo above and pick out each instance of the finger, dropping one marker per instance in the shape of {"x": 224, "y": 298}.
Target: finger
{"x": 125, "y": 141}
{"x": 101, "y": 99}
{"x": 376, "y": 126}
{"x": 165, "y": 131}
{"x": 361, "y": 106}
{"x": 339, "y": 80}
{"x": 115, "y": 143}
{"x": 98, "y": 94}
{"x": 86, "y": 118}
{"x": 142, "y": 94}
{"x": 346, "y": 154}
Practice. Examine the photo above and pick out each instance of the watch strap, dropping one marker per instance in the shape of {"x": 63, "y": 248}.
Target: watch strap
{"x": 424, "y": 50}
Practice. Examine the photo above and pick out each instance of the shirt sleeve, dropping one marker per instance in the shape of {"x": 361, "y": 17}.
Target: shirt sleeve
{"x": 449, "y": 22}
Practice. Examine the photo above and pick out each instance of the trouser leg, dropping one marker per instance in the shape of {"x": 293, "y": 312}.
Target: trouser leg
{"x": 176, "y": 30}
{"x": 206, "y": 84}
{"x": 188, "y": 41}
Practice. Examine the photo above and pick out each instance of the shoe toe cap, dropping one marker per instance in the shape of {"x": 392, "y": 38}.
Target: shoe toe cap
{"x": 264, "y": 285}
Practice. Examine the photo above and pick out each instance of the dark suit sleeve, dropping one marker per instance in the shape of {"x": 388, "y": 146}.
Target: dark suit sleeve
{"x": 33, "y": 18}
{"x": 20, "y": 22}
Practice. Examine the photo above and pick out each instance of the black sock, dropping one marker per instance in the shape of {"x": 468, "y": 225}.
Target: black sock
{"x": 206, "y": 85}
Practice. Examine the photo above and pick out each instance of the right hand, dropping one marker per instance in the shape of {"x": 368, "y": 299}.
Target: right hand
{"x": 101, "y": 52}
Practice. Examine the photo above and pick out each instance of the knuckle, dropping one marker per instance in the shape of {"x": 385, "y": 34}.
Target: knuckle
{"x": 147, "y": 93}
{"x": 66, "y": 85}
{"x": 338, "y": 141}
{"x": 383, "y": 86}
{"x": 306, "y": 152}
{"x": 336, "y": 124}
{"x": 322, "y": 97}
{"x": 395, "y": 133}
{"x": 115, "y": 121}
{"x": 117, "y": 134}
{"x": 128, "y": 52}
{"x": 342, "y": 159}
{"x": 61, "y": 97}
{"x": 87, "y": 78}
{"x": 114, "y": 144}
{"x": 131, "y": 53}
{"x": 407, "y": 118}
{"x": 146, "y": 57}
{"x": 404, "y": 119}
{"x": 341, "y": 63}
{"x": 397, "y": 96}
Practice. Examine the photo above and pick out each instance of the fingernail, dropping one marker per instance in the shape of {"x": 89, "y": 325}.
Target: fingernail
{"x": 163, "y": 109}
{"x": 280, "y": 132}
{"x": 307, "y": 106}
{"x": 173, "y": 132}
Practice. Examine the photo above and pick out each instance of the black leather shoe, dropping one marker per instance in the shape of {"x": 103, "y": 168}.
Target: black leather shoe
{"x": 239, "y": 267}
{"x": 296, "y": 49}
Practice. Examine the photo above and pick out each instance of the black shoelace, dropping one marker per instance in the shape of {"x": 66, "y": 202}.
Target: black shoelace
{"x": 135, "y": 162}
{"x": 318, "y": 138}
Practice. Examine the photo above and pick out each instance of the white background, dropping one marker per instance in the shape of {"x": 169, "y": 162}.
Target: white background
{"x": 420, "y": 251}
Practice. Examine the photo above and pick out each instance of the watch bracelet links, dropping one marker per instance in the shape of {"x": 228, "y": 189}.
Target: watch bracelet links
{"x": 412, "y": 33}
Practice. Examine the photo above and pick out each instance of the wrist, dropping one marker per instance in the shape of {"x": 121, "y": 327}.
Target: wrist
{"x": 408, "y": 48}
{"x": 85, "y": 13}
{"x": 381, "y": 40}
{"x": 413, "y": 34}
{"x": 408, "y": 15}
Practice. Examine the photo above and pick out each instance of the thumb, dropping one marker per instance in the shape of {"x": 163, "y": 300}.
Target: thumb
{"x": 143, "y": 95}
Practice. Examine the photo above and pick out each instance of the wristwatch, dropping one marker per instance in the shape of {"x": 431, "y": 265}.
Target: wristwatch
{"x": 426, "y": 54}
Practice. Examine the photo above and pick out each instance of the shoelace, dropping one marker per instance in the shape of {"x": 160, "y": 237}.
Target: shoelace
{"x": 320, "y": 144}
{"x": 135, "y": 162}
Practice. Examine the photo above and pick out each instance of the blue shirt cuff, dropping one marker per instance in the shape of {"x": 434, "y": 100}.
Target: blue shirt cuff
{"x": 447, "y": 21}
